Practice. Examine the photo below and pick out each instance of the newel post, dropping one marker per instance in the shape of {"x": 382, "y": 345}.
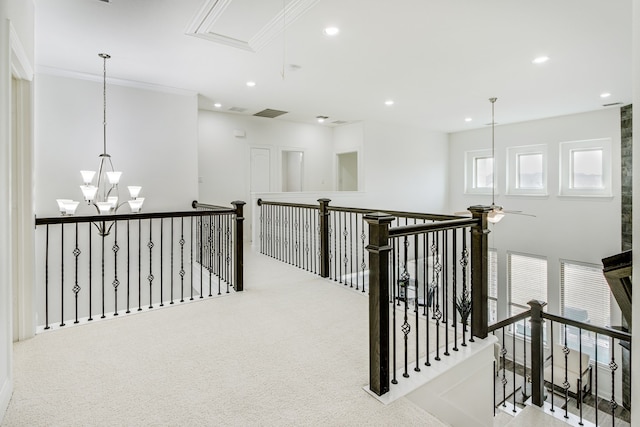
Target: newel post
{"x": 537, "y": 352}
{"x": 324, "y": 237}
{"x": 238, "y": 249}
{"x": 480, "y": 272}
{"x": 379, "y": 249}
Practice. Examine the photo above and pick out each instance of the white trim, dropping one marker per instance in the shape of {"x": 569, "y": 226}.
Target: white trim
{"x": 5, "y": 395}
{"x": 57, "y": 72}
{"x": 20, "y": 65}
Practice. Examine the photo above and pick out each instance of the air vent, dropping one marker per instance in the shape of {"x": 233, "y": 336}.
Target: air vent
{"x": 237, "y": 109}
{"x": 270, "y": 113}
{"x": 339, "y": 122}
{"x": 612, "y": 104}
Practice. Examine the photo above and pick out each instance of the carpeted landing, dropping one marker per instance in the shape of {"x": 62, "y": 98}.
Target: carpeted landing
{"x": 290, "y": 350}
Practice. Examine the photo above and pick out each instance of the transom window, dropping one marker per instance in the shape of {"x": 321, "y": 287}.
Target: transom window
{"x": 527, "y": 170}
{"x": 479, "y": 168}
{"x": 585, "y": 168}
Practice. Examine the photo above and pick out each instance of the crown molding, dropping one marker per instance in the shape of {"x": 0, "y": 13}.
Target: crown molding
{"x": 58, "y": 72}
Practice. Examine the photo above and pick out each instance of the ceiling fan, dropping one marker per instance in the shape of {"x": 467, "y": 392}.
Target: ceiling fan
{"x": 497, "y": 212}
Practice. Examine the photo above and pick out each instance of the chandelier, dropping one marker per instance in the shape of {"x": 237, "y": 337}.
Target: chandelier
{"x": 104, "y": 195}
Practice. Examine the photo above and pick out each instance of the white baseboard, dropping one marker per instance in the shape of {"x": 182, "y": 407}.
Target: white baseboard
{"x": 5, "y": 396}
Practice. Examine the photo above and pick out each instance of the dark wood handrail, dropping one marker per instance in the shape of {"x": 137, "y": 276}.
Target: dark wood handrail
{"x": 408, "y": 230}
{"x": 403, "y": 214}
{"x": 613, "y": 333}
{"x": 122, "y": 217}
{"x": 509, "y": 321}
{"x": 197, "y": 205}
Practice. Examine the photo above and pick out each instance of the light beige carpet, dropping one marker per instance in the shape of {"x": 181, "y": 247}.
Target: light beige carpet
{"x": 291, "y": 350}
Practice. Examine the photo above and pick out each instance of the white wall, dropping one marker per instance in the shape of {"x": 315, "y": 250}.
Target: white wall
{"x": 224, "y": 159}
{"x": 579, "y": 229}
{"x": 151, "y": 137}
{"x": 19, "y": 16}
{"x": 405, "y": 168}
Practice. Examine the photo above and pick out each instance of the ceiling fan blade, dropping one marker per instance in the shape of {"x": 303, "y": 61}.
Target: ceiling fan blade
{"x": 463, "y": 213}
{"x": 521, "y": 213}
{"x": 510, "y": 211}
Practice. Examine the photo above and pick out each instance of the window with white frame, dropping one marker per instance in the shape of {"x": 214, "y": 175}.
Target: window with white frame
{"x": 479, "y": 177}
{"x": 527, "y": 280}
{"x": 527, "y": 170}
{"x": 585, "y": 168}
{"x": 585, "y": 297}
{"x": 493, "y": 285}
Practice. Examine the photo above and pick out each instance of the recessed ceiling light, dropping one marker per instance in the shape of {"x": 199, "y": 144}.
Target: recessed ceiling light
{"x": 468, "y": 119}
{"x": 389, "y": 102}
{"x": 540, "y": 60}
{"x": 217, "y": 105}
{"x": 251, "y": 83}
{"x": 321, "y": 119}
{"x": 331, "y": 31}
{"x": 605, "y": 95}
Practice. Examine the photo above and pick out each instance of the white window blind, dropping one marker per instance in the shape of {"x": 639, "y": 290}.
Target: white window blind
{"x": 585, "y": 293}
{"x": 527, "y": 280}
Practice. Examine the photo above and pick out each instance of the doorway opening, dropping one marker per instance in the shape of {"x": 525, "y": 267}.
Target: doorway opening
{"x": 292, "y": 170}
{"x": 347, "y": 171}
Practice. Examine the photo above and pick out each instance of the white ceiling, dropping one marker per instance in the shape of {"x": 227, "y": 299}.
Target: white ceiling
{"x": 439, "y": 60}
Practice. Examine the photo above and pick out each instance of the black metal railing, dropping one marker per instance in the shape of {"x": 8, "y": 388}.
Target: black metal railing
{"x": 326, "y": 240}
{"x": 435, "y": 275}
{"x": 564, "y": 364}
{"x": 103, "y": 265}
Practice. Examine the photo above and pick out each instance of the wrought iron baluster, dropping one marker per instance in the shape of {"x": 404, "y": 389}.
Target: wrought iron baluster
{"x": 200, "y": 253}
{"x": 161, "y": 262}
{"x": 61, "y": 274}
{"x": 363, "y": 265}
{"x": 191, "y": 258}
{"x": 566, "y": 383}
{"x": 150, "y": 277}
{"x": 513, "y": 385}
{"x": 454, "y": 282}
{"x": 228, "y": 249}
{"x": 465, "y": 300}
{"x": 403, "y": 283}
{"x": 553, "y": 409}
{"x": 76, "y": 287}
{"x": 394, "y": 296}
{"x": 103, "y": 235}
{"x": 445, "y": 289}
{"x": 139, "y": 265}
{"x": 90, "y": 270}
{"x": 182, "y": 272}
{"x": 128, "y": 270}
{"x": 416, "y": 301}
{"x": 116, "y": 282}
{"x": 503, "y": 360}
{"x": 46, "y": 279}
{"x": 172, "y": 256}
{"x": 580, "y": 385}
{"x": 596, "y": 403}
{"x": 437, "y": 267}
{"x": 613, "y": 367}
{"x": 427, "y": 298}
{"x": 210, "y": 248}
{"x": 219, "y": 251}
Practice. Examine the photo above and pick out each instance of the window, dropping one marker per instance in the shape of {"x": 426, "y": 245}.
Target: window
{"x": 585, "y": 168}
{"x": 585, "y": 296}
{"x": 493, "y": 285}
{"x": 479, "y": 177}
{"x": 527, "y": 170}
{"x": 527, "y": 280}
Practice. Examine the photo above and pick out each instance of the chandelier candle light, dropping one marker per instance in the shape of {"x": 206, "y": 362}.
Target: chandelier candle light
{"x": 104, "y": 195}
